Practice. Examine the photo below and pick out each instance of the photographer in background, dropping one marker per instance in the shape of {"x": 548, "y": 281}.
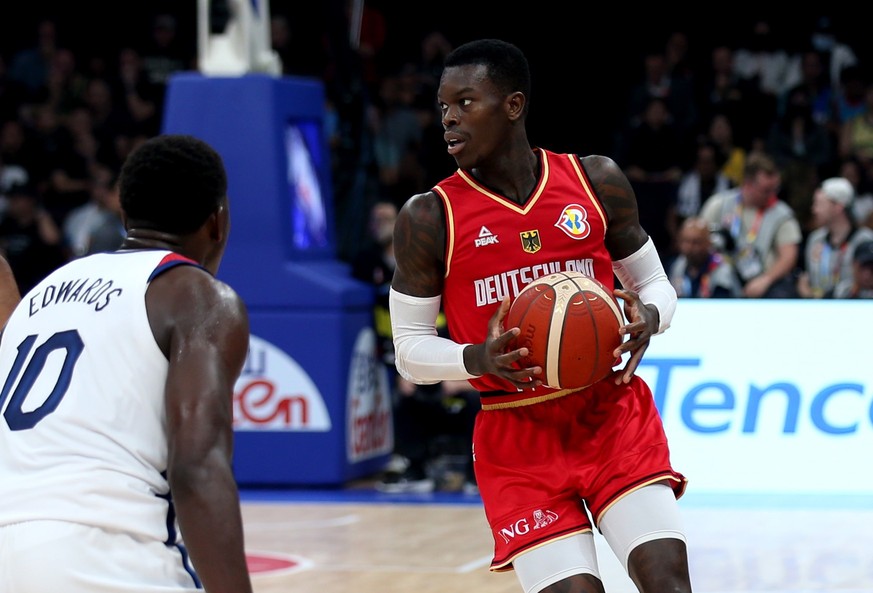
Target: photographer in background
{"x": 760, "y": 233}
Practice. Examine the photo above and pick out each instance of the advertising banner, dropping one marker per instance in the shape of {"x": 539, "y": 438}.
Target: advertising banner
{"x": 767, "y": 396}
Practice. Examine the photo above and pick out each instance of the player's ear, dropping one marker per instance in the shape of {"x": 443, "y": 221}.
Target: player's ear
{"x": 219, "y": 223}
{"x": 515, "y": 103}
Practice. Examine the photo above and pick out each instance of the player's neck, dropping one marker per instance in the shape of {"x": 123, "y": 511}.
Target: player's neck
{"x": 513, "y": 175}
{"x": 138, "y": 238}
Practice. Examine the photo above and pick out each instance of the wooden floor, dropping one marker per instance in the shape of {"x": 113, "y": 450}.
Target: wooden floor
{"x": 374, "y": 543}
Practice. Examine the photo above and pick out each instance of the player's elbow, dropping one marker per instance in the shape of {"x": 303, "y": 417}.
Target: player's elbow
{"x": 405, "y": 363}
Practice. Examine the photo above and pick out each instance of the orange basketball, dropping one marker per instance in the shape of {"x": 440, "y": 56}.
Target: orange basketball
{"x": 569, "y": 324}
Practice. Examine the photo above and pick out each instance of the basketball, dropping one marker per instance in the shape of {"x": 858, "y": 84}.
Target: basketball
{"x": 569, "y": 324}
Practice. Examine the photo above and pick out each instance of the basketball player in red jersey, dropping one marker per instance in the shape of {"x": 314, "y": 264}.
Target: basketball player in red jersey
{"x": 510, "y": 214}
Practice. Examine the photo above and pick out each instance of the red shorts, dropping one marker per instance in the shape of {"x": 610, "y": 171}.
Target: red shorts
{"x": 539, "y": 466}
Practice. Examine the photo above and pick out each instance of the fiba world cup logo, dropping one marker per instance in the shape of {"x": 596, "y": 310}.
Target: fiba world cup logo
{"x": 574, "y": 222}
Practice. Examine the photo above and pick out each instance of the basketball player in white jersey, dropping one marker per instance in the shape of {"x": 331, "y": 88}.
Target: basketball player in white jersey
{"x": 117, "y": 376}
{"x": 9, "y": 295}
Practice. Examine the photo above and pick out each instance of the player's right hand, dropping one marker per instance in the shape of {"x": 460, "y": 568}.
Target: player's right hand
{"x": 495, "y": 355}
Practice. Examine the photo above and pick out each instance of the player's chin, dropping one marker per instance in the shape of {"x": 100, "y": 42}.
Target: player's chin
{"x": 465, "y": 158}
{"x": 462, "y": 163}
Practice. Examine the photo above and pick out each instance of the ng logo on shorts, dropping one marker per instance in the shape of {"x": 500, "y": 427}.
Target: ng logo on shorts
{"x": 523, "y": 526}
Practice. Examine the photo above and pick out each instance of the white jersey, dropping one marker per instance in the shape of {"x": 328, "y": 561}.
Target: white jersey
{"x": 83, "y": 432}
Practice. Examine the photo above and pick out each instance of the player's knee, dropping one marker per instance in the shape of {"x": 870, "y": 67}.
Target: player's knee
{"x": 649, "y": 514}
{"x": 660, "y": 566}
{"x": 567, "y": 564}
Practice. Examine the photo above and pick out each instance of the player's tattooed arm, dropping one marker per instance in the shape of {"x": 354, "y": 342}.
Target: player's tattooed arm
{"x": 419, "y": 247}
{"x": 624, "y": 234}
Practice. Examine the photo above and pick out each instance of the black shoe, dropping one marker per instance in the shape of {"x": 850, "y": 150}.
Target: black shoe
{"x": 410, "y": 481}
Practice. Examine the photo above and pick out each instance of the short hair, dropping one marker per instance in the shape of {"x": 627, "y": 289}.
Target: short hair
{"x": 172, "y": 183}
{"x": 759, "y": 162}
{"x": 507, "y": 65}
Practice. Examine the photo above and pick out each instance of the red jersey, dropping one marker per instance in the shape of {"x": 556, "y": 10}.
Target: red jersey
{"x": 495, "y": 247}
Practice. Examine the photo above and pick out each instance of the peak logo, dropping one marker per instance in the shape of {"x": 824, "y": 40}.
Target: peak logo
{"x": 523, "y": 526}
{"x": 486, "y": 237}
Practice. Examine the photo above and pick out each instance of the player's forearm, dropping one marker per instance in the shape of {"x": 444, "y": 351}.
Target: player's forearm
{"x": 208, "y": 510}
{"x": 421, "y": 356}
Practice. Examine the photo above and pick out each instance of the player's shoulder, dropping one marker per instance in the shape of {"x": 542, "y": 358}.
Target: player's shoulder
{"x": 191, "y": 289}
{"x": 597, "y": 165}
{"x": 607, "y": 178}
{"x": 423, "y": 207}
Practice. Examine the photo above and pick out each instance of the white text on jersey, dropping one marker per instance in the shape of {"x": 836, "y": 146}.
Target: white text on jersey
{"x": 97, "y": 293}
{"x": 486, "y": 238}
{"x": 493, "y": 289}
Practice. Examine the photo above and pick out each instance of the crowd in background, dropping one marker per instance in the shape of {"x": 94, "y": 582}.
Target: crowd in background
{"x": 689, "y": 121}
{"x": 751, "y": 158}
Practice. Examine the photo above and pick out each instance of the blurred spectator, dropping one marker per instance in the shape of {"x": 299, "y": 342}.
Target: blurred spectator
{"x": 702, "y": 181}
{"x": 831, "y": 245}
{"x": 731, "y": 155}
{"x": 18, "y": 148}
{"x": 423, "y": 415}
{"x": 29, "y": 238}
{"x": 862, "y": 205}
{"x": 762, "y": 57}
{"x": 801, "y": 147}
{"x": 814, "y": 85}
{"x": 65, "y": 85}
{"x": 130, "y": 87}
{"x": 10, "y": 176}
{"x": 435, "y": 46}
{"x": 861, "y": 284}
{"x": 849, "y": 97}
{"x": 700, "y": 271}
{"x": 96, "y": 226}
{"x": 46, "y": 136}
{"x": 677, "y": 55}
{"x": 374, "y": 264}
{"x": 280, "y": 41}
{"x": 435, "y": 161}
{"x": 836, "y": 55}
{"x": 397, "y": 137}
{"x": 656, "y": 83}
{"x": 721, "y": 91}
{"x": 70, "y": 149}
{"x": 758, "y": 232}
{"x": 655, "y": 157}
{"x": 856, "y": 134}
{"x": 165, "y": 54}
{"x": 108, "y": 118}
{"x": 30, "y": 66}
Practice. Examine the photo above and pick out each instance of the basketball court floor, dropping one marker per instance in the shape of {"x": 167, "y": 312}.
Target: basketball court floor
{"x": 355, "y": 538}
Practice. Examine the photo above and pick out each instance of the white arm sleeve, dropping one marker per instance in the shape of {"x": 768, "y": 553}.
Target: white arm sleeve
{"x": 643, "y": 273}
{"x": 421, "y": 356}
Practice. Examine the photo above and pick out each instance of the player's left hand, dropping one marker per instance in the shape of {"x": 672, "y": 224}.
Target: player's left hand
{"x": 642, "y": 324}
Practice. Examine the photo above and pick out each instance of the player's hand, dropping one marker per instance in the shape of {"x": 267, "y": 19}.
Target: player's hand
{"x": 643, "y": 322}
{"x": 494, "y": 357}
